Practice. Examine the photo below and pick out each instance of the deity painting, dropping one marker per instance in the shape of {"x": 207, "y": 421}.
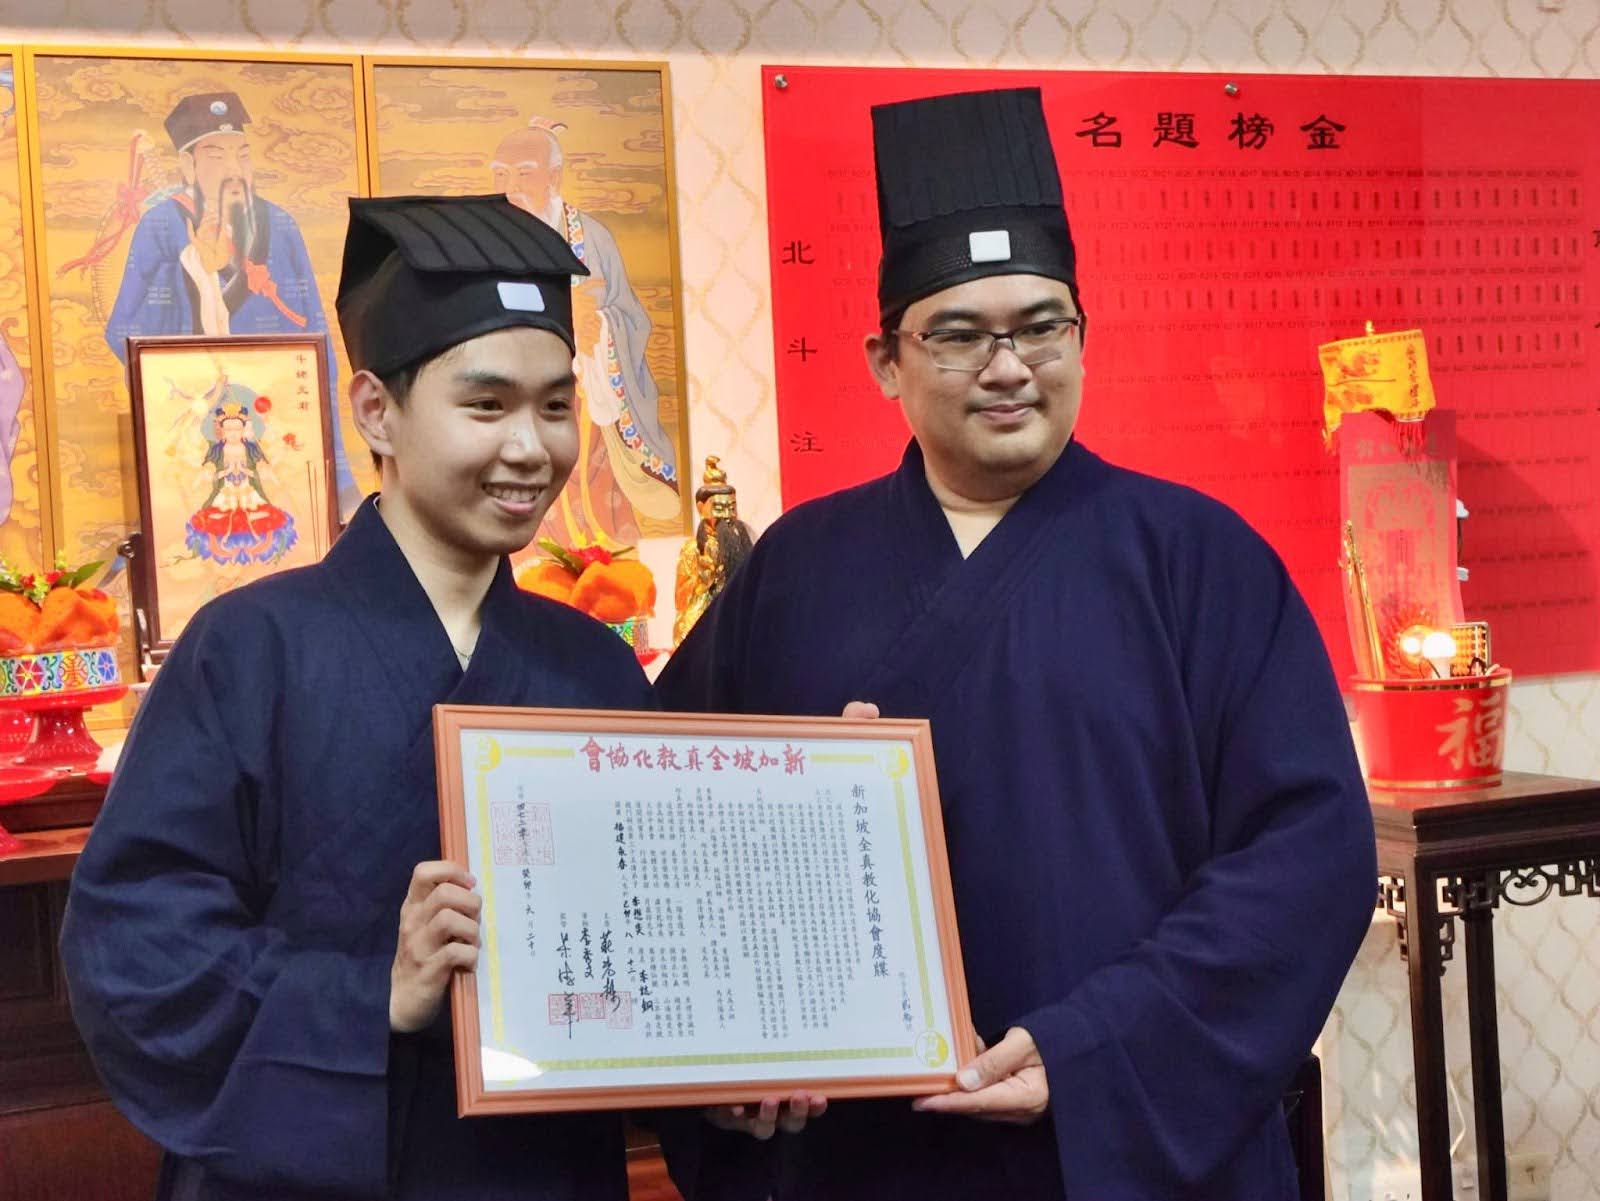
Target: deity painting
{"x": 20, "y": 508}
{"x": 237, "y": 524}
{"x": 234, "y": 449}
{"x": 585, "y": 150}
{"x": 184, "y": 197}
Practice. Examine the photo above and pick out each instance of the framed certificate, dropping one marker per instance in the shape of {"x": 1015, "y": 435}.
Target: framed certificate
{"x": 685, "y": 909}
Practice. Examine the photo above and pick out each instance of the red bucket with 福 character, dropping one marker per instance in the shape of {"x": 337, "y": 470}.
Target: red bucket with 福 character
{"x": 1444, "y": 733}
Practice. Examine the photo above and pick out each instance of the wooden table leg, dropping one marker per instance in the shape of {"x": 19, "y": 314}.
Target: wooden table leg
{"x": 1424, "y": 966}
{"x": 1484, "y": 1024}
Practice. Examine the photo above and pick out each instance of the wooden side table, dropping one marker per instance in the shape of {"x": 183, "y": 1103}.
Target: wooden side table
{"x": 1461, "y": 853}
{"x": 59, "y": 1135}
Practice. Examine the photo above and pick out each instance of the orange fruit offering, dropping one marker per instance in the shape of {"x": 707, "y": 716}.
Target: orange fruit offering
{"x": 615, "y": 591}
{"x": 18, "y": 621}
{"x": 548, "y": 579}
{"x": 102, "y": 611}
{"x": 70, "y": 618}
{"x": 59, "y": 621}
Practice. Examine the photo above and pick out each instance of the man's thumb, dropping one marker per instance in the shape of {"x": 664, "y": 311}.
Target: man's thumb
{"x": 995, "y": 1064}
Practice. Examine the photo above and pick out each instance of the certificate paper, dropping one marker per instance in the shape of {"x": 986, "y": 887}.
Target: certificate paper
{"x": 689, "y": 909}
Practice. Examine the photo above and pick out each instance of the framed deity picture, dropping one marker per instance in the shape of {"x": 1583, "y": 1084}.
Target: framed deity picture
{"x": 684, "y": 909}
{"x": 180, "y": 193}
{"x": 587, "y": 148}
{"x": 233, "y": 444}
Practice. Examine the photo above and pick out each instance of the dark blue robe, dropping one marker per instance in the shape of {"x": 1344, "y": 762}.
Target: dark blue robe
{"x": 233, "y": 919}
{"x": 1160, "y": 846}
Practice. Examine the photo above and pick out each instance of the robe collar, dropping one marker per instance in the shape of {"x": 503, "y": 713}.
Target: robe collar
{"x": 948, "y": 598}
{"x": 375, "y": 579}
{"x": 394, "y": 816}
{"x": 1076, "y": 472}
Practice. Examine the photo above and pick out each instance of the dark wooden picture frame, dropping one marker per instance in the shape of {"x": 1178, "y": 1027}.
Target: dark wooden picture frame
{"x": 270, "y": 537}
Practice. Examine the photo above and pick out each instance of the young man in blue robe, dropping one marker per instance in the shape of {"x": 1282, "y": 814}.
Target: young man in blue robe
{"x": 260, "y": 934}
{"x": 1159, "y": 841}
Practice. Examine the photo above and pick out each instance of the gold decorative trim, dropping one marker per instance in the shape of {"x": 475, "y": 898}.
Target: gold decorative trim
{"x": 1453, "y": 684}
{"x": 1436, "y": 785}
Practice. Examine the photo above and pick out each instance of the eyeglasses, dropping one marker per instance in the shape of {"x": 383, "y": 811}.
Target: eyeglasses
{"x": 971, "y": 350}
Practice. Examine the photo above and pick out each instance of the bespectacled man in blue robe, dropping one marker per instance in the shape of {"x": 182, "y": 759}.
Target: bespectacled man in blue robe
{"x": 1160, "y": 846}
{"x": 260, "y": 933}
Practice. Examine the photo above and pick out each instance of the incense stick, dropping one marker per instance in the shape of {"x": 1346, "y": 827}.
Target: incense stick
{"x": 1369, "y": 619}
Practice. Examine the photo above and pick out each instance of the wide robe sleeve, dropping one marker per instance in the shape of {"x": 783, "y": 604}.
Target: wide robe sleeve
{"x": 1164, "y": 1061}
{"x": 263, "y": 1060}
{"x": 630, "y": 330}
{"x": 149, "y": 254}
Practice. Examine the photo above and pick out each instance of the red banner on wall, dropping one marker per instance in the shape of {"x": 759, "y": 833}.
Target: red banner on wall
{"x": 1221, "y": 237}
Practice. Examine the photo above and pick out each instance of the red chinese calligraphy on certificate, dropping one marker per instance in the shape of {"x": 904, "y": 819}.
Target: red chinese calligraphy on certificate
{"x": 615, "y": 1011}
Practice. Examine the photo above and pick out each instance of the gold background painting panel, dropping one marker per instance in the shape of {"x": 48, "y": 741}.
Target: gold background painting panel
{"x": 105, "y": 162}
{"x": 22, "y": 540}
{"x": 180, "y": 389}
{"x": 465, "y": 129}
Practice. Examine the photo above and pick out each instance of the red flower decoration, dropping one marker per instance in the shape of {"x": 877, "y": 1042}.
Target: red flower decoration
{"x": 52, "y": 578}
{"x": 263, "y": 404}
{"x": 26, "y": 582}
{"x": 591, "y": 554}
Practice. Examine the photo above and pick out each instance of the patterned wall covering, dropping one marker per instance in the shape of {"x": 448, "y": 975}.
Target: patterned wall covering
{"x": 1549, "y": 957}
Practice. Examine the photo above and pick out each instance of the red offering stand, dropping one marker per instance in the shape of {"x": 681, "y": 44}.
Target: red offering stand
{"x": 63, "y": 741}
{"x": 16, "y": 731}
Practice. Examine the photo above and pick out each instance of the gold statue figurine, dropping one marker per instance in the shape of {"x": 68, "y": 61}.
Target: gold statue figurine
{"x": 720, "y": 543}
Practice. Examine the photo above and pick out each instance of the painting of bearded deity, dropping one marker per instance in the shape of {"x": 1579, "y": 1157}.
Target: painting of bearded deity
{"x": 585, "y": 148}
{"x": 184, "y": 196}
{"x": 233, "y": 446}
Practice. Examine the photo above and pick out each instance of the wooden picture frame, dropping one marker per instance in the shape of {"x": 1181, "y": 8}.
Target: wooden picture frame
{"x": 594, "y": 140}
{"x": 233, "y": 450}
{"x": 523, "y": 805}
